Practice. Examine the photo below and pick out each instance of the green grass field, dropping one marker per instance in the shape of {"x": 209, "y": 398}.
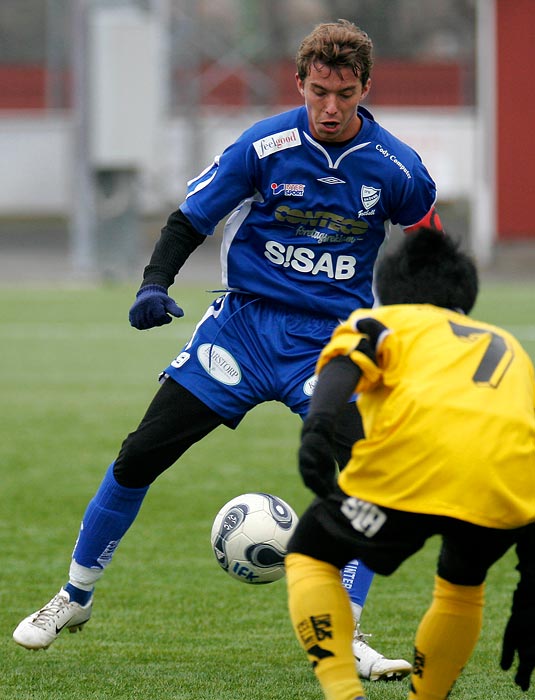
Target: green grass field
{"x": 168, "y": 623}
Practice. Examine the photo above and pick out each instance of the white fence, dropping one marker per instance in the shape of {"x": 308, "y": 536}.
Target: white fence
{"x": 38, "y": 169}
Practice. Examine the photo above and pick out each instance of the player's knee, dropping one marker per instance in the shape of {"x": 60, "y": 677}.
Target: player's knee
{"x": 131, "y": 468}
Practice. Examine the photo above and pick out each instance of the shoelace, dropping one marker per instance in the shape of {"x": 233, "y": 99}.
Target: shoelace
{"x": 361, "y": 636}
{"x": 46, "y": 614}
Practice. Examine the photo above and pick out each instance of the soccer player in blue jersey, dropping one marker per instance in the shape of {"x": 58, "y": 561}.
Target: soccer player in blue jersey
{"x": 308, "y": 196}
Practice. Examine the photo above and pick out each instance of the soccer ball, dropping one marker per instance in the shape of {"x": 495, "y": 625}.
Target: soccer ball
{"x": 250, "y": 535}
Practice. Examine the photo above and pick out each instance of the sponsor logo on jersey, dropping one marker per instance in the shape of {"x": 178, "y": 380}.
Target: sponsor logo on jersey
{"x": 288, "y": 189}
{"x": 386, "y": 154}
{"x": 321, "y": 219}
{"x": 219, "y": 364}
{"x": 323, "y": 237}
{"x": 311, "y": 261}
{"x": 277, "y": 142}
{"x": 331, "y": 180}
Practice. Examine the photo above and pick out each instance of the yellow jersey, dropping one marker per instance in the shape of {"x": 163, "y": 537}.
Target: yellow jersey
{"x": 449, "y": 417}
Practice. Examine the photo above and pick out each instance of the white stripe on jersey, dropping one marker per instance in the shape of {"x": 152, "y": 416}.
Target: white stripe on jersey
{"x": 336, "y": 163}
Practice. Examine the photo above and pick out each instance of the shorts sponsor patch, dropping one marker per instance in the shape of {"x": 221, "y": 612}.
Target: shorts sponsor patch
{"x": 219, "y": 364}
{"x": 310, "y": 385}
{"x": 364, "y": 517}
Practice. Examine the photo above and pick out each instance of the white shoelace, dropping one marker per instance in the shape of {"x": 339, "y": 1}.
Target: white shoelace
{"x": 361, "y": 636}
{"x": 46, "y": 614}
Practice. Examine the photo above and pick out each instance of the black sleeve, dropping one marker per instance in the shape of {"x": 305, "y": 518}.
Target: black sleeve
{"x": 336, "y": 383}
{"x": 177, "y": 241}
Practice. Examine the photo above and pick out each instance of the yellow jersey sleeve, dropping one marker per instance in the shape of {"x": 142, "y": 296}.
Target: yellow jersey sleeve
{"x": 345, "y": 340}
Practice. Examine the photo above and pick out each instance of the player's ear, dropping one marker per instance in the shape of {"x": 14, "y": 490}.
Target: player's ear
{"x": 366, "y": 88}
{"x": 300, "y": 85}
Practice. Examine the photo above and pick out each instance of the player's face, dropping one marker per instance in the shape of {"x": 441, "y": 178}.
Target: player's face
{"x": 331, "y": 99}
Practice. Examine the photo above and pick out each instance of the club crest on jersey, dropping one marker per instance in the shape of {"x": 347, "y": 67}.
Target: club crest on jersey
{"x": 277, "y": 142}
{"x": 369, "y": 196}
{"x": 288, "y": 189}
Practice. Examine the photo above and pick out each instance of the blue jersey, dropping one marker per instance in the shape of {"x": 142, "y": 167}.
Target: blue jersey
{"x": 307, "y": 218}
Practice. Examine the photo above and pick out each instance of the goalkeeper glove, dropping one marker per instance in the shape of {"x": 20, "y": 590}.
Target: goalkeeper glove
{"x": 316, "y": 457}
{"x": 373, "y": 329}
{"x": 152, "y": 308}
{"x": 519, "y": 636}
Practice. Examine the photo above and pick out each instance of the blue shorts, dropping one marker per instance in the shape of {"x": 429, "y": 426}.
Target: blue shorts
{"x": 246, "y": 350}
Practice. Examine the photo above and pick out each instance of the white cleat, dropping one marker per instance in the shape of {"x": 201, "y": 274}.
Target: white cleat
{"x": 373, "y": 666}
{"x": 41, "y": 628}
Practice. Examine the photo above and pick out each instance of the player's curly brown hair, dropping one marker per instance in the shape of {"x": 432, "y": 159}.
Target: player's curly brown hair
{"x": 336, "y": 45}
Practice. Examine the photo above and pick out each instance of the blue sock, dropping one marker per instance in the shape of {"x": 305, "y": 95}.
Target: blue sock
{"x": 357, "y": 579}
{"x": 77, "y": 595}
{"x": 107, "y": 517}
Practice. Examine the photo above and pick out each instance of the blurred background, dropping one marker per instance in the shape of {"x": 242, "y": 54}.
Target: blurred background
{"x": 108, "y": 107}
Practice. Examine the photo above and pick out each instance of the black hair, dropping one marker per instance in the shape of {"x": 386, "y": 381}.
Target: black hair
{"x": 428, "y": 268}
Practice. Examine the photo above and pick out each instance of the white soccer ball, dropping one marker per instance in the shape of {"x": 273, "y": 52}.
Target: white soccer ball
{"x": 250, "y": 535}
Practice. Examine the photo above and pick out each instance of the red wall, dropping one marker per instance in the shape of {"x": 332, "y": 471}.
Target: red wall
{"x": 399, "y": 83}
{"x": 515, "y": 90}
{"x": 22, "y": 87}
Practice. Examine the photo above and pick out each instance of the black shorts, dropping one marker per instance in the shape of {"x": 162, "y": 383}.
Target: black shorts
{"x": 340, "y": 528}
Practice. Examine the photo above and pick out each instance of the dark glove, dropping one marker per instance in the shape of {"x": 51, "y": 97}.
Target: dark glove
{"x": 373, "y": 329}
{"x": 519, "y": 636}
{"x": 152, "y": 308}
{"x": 316, "y": 457}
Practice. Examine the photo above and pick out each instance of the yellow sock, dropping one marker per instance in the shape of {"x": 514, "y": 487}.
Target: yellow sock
{"x": 446, "y": 639}
{"x": 323, "y": 624}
